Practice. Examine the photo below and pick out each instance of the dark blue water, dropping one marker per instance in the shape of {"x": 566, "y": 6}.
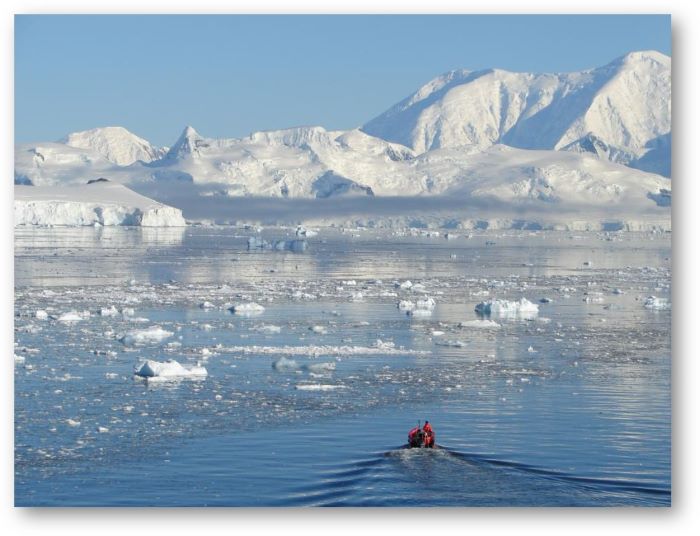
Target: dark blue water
{"x": 570, "y": 409}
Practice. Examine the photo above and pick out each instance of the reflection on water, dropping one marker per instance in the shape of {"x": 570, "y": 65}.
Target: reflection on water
{"x": 110, "y": 255}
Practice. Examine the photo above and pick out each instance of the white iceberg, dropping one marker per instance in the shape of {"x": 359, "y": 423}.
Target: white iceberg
{"x": 522, "y": 309}
{"x": 152, "y": 335}
{"x": 170, "y": 369}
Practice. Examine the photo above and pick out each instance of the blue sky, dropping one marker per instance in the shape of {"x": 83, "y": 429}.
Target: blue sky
{"x": 230, "y": 75}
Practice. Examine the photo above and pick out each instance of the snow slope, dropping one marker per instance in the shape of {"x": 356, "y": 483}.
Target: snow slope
{"x": 115, "y": 144}
{"x": 100, "y": 203}
{"x": 626, "y": 105}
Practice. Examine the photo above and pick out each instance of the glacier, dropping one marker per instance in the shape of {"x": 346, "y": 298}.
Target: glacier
{"x": 99, "y": 203}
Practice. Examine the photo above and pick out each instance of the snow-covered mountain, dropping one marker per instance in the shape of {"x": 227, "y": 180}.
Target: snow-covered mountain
{"x": 115, "y": 144}
{"x": 621, "y": 111}
{"x": 557, "y": 142}
{"x": 311, "y": 162}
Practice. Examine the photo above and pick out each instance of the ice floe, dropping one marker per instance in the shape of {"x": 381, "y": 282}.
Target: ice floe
{"x": 247, "y": 309}
{"x": 152, "y": 335}
{"x": 171, "y": 369}
{"x": 318, "y": 387}
{"x": 522, "y": 309}
{"x": 480, "y": 324}
{"x": 657, "y": 304}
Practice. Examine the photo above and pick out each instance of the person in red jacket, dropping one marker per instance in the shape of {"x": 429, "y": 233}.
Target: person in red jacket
{"x": 414, "y": 437}
{"x": 429, "y": 440}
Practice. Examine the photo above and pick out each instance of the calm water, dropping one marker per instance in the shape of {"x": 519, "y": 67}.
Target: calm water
{"x": 572, "y": 407}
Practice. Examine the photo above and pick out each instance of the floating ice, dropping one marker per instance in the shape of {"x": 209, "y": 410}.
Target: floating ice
{"x": 382, "y": 345}
{"x": 319, "y": 367}
{"x": 420, "y": 312}
{"x": 170, "y": 369}
{"x": 73, "y": 316}
{"x": 481, "y": 324}
{"x": 406, "y": 305}
{"x": 152, "y": 335}
{"x": 657, "y": 304}
{"x": 41, "y": 315}
{"x": 267, "y": 329}
{"x": 302, "y": 231}
{"x": 318, "y": 387}
{"x": 109, "y": 311}
{"x": 247, "y": 309}
{"x": 278, "y": 245}
{"x": 320, "y": 330}
{"x": 206, "y": 305}
{"x": 380, "y": 348}
{"x": 404, "y": 285}
{"x": 284, "y": 363}
{"x": 427, "y": 304}
{"x": 522, "y": 309}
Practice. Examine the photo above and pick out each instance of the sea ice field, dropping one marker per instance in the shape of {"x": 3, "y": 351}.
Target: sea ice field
{"x": 180, "y": 366}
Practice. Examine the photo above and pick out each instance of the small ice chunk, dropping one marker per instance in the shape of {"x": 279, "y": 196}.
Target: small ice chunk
{"x": 41, "y": 315}
{"x": 267, "y": 329}
{"x": 657, "y": 304}
{"x": 420, "y": 312}
{"x": 427, "y": 304}
{"x": 73, "y": 316}
{"x": 481, "y": 324}
{"x": 405, "y": 285}
{"x": 523, "y": 308}
{"x": 73, "y": 422}
{"x": 206, "y": 305}
{"x": 247, "y": 309}
{"x": 406, "y": 305}
{"x": 152, "y": 335}
{"x": 169, "y": 369}
{"x": 381, "y": 345}
{"x": 109, "y": 311}
{"x": 320, "y": 330}
{"x": 317, "y": 387}
{"x": 102, "y": 429}
{"x": 320, "y": 367}
{"x": 284, "y": 363}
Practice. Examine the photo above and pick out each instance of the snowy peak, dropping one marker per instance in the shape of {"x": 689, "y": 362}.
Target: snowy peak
{"x": 188, "y": 144}
{"x": 116, "y": 144}
{"x": 624, "y": 104}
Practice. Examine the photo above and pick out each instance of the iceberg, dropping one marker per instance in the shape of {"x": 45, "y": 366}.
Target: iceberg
{"x": 168, "y": 370}
{"x": 96, "y": 204}
{"x": 152, "y": 335}
{"x": 522, "y": 309}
